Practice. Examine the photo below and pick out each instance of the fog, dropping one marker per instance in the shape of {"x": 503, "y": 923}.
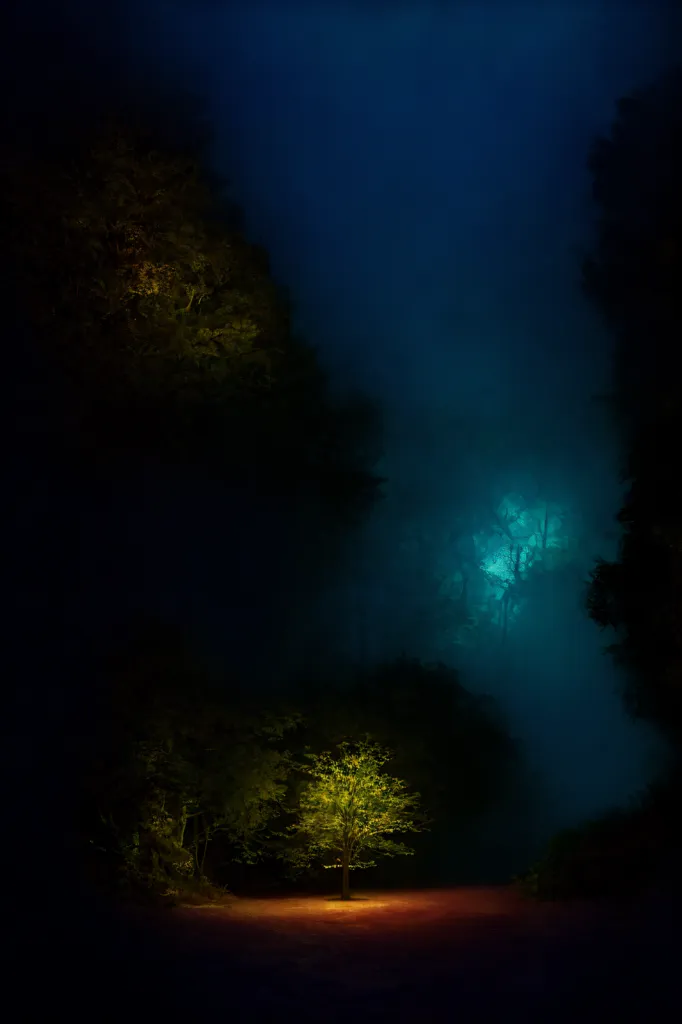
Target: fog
{"x": 418, "y": 175}
{"x": 417, "y": 172}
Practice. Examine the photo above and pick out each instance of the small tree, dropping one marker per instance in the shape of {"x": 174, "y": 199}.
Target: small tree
{"x": 352, "y": 807}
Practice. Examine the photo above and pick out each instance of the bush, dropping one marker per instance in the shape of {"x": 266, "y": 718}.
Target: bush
{"x": 196, "y": 892}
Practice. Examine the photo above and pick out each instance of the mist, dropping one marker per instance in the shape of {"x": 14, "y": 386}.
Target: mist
{"x": 417, "y": 173}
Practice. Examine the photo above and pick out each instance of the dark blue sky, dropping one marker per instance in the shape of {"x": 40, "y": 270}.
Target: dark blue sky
{"x": 417, "y": 172}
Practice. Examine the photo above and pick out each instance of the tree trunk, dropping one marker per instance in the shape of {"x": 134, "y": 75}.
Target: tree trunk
{"x": 197, "y": 869}
{"x": 206, "y": 837}
{"x": 505, "y": 619}
{"x": 183, "y": 825}
{"x": 345, "y": 876}
{"x": 544, "y": 530}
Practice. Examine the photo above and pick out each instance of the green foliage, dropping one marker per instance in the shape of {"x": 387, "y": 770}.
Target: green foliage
{"x": 165, "y": 324}
{"x": 183, "y": 760}
{"x": 452, "y": 744}
{"x": 351, "y": 807}
{"x": 134, "y": 274}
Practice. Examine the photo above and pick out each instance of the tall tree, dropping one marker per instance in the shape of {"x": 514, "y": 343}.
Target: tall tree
{"x": 634, "y": 275}
{"x": 164, "y": 321}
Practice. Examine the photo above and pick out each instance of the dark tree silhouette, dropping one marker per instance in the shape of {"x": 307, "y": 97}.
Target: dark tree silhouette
{"x": 634, "y": 276}
{"x": 176, "y": 759}
{"x": 164, "y": 321}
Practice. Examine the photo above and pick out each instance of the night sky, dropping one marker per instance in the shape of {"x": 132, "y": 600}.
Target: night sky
{"x": 417, "y": 172}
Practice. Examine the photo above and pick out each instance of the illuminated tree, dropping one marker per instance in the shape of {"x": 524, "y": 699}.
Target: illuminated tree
{"x": 352, "y": 807}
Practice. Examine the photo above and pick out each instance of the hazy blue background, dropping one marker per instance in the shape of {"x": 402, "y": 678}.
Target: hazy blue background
{"x": 417, "y": 172}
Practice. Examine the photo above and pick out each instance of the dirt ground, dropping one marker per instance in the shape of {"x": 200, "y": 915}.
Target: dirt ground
{"x": 457, "y": 954}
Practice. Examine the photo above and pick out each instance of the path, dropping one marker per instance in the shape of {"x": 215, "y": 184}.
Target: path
{"x": 456, "y": 954}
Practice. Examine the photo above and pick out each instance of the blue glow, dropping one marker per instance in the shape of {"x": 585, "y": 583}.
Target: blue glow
{"x": 418, "y": 174}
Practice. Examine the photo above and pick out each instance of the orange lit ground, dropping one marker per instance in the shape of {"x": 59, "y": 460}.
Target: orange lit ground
{"x": 465, "y": 954}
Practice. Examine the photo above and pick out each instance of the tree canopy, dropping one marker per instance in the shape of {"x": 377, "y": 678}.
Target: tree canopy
{"x": 633, "y": 271}
{"x": 164, "y": 321}
{"x": 180, "y": 759}
{"x": 351, "y": 808}
{"x": 634, "y": 275}
{"x": 452, "y": 745}
{"x": 189, "y": 774}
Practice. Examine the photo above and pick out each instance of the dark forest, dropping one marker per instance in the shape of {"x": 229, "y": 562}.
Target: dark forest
{"x": 345, "y": 527}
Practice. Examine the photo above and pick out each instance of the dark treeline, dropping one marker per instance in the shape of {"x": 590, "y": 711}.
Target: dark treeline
{"x": 634, "y": 276}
